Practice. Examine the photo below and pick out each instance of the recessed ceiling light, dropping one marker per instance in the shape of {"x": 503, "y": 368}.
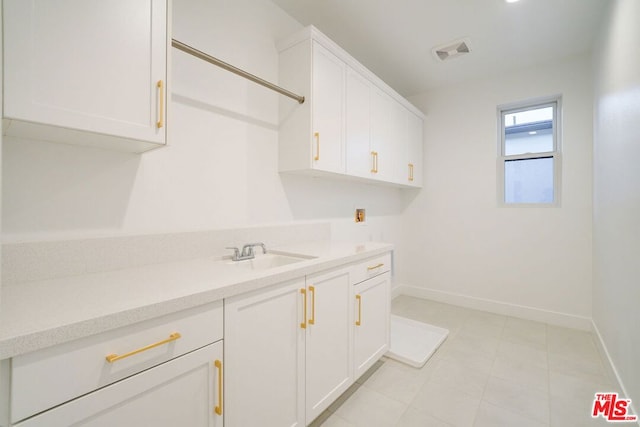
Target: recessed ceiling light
{"x": 511, "y": 1}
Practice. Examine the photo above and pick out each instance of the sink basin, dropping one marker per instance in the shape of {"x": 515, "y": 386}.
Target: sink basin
{"x": 269, "y": 260}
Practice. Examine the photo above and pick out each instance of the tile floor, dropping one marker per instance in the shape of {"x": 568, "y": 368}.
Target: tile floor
{"x": 491, "y": 371}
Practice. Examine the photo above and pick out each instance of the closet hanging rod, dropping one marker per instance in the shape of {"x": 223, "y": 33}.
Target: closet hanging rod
{"x": 215, "y": 61}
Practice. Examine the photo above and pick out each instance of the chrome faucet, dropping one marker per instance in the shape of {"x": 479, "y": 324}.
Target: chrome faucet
{"x": 247, "y": 251}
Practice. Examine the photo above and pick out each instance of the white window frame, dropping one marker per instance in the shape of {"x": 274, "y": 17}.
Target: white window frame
{"x": 503, "y": 110}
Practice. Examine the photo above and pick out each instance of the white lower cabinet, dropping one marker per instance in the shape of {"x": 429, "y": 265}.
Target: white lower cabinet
{"x": 371, "y": 330}
{"x": 264, "y": 349}
{"x": 288, "y": 351}
{"x": 328, "y": 359}
{"x": 185, "y": 391}
{"x": 163, "y": 372}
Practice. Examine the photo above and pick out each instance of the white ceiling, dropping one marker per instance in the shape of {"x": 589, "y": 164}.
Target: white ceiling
{"x": 394, "y": 38}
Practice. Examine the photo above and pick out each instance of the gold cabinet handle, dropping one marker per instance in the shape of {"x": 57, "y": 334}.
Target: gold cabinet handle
{"x": 114, "y": 357}
{"x": 373, "y": 267}
{"x": 303, "y": 325}
{"x": 410, "y": 171}
{"x": 312, "y": 321}
{"x": 160, "y": 87}
{"x": 218, "y": 408}
{"x": 317, "y": 137}
{"x": 359, "y": 299}
{"x": 374, "y": 160}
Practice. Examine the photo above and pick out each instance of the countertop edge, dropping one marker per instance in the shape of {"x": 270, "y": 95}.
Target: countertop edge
{"x": 13, "y": 346}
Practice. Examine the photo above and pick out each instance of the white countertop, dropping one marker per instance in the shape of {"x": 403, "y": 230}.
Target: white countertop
{"x": 39, "y": 314}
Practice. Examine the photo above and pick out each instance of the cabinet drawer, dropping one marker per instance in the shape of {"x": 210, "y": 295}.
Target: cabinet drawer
{"x": 46, "y": 378}
{"x": 370, "y": 268}
{"x": 182, "y": 392}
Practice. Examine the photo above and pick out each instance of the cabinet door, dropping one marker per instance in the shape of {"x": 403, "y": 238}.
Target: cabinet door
{"x": 415, "y": 141}
{"x": 88, "y": 65}
{"x": 264, "y": 347}
{"x": 182, "y": 392}
{"x": 371, "y": 330}
{"x": 399, "y": 142}
{"x": 358, "y": 125}
{"x": 327, "y": 110}
{"x": 383, "y": 134}
{"x": 328, "y": 357}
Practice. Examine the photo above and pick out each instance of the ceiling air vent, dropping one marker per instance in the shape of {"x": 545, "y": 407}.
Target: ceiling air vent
{"x": 452, "y": 50}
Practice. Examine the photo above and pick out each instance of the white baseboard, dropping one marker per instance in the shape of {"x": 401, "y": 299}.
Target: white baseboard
{"x": 612, "y": 372}
{"x": 498, "y": 307}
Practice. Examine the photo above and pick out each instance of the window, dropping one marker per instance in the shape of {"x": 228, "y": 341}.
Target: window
{"x": 529, "y": 163}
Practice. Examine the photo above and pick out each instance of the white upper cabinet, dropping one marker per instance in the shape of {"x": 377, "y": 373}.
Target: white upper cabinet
{"x": 86, "y": 72}
{"x": 351, "y": 122}
{"x": 414, "y": 150}
{"x": 360, "y": 156}
{"x": 312, "y": 134}
{"x": 327, "y": 106}
{"x": 385, "y": 138}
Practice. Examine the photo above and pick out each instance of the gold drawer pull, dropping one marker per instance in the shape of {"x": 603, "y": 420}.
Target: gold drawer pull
{"x": 303, "y": 325}
{"x": 359, "y": 321}
{"x": 114, "y": 357}
{"x": 317, "y": 136}
{"x": 218, "y": 408}
{"x": 374, "y": 159}
{"x": 373, "y": 267}
{"x": 312, "y": 321}
{"x": 410, "y": 171}
{"x": 160, "y": 86}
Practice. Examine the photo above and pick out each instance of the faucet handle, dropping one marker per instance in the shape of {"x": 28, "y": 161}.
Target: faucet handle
{"x": 247, "y": 251}
{"x": 236, "y": 252}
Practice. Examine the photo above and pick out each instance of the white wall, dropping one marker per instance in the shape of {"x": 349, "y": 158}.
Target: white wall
{"x": 220, "y": 171}
{"x": 220, "y": 168}
{"x": 1, "y": 107}
{"x": 616, "y": 291}
{"x": 460, "y": 246}
{"x": 3, "y": 411}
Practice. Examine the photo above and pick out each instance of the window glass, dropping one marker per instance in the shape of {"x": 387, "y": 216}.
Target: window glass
{"x": 529, "y": 131}
{"x": 529, "y": 157}
{"x": 529, "y": 180}
{"x": 534, "y": 115}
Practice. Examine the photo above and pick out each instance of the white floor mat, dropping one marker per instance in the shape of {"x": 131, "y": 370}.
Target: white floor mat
{"x": 414, "y": 342}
